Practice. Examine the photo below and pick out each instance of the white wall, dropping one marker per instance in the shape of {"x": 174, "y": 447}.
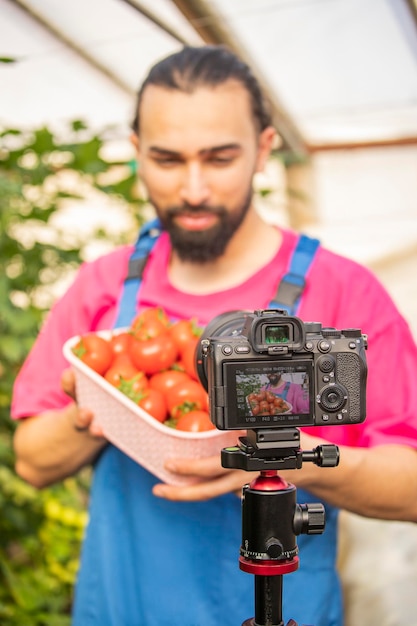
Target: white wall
{"x": 366, "y": 207}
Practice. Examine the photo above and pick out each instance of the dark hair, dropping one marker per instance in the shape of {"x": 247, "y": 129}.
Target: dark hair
{"x": 205, "y": 66}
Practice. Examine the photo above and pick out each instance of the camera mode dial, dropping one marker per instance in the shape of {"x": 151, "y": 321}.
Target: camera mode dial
{"x": 352, "y": 332}
{"x": 331, "y": 332}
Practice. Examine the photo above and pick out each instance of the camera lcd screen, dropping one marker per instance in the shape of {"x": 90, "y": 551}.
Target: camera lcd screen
{"x": 267, "y": 394}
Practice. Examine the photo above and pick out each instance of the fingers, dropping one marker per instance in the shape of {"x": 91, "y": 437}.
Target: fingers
{"x": 232, "y": 481}
{"x": 68, "y": 382}
{"x": 208, "y": 467}
{"x": 214, "y": 480}
{"x": 82, "y": 420}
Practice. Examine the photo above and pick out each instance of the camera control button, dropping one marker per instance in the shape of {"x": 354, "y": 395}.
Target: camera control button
{"x": 325, "y": 417}
{"x": 227, "y": 350}
{"x": 324, "y": 346}
{"x": 326, "y": 364}
{"x": 352, "y": 345}
{"x": 326, "y": 379}
{"x": 309, "y": 345}
{"x": 242, "y": 349}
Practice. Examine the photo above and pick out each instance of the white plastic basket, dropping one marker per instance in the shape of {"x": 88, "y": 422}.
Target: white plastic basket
{"x": 134, "y": 431}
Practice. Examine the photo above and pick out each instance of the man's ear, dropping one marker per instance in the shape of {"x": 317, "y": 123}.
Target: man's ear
{"x": 134, "y": 139}
{"x": 266, "y": 143}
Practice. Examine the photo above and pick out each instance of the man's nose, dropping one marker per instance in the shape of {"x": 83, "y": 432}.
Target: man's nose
{"x": 194, "y": 188}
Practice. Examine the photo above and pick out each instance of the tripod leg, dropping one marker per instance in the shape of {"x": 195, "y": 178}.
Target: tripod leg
{"x": 268, "y": 601}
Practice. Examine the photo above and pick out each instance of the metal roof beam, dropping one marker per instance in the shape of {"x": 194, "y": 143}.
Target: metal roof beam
{"x": 212, "y": 29}
{"x": 61, "y": 36}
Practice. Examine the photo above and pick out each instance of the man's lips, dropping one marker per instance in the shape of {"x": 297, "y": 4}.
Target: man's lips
{"x": 196, "y": 221}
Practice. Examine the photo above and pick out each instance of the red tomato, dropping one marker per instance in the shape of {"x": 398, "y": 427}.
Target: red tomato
{"x": 195, "y": 421}
{"x": 150, "y": 323}
{"x": 163, "y": 381}
{"x": 188, "y": 359}
{"x": 153, "y": 355}
{"x": 185, "y": 397}
{"x": 95, "y": 352}
{"x": 153, "y": 402}
{"x": 120, "y": 342}
{"x": 134, "y": 387}
{"x": 185, "y": 332}
{"x": 149, "y": 330}
{"x": 122, "y": 367}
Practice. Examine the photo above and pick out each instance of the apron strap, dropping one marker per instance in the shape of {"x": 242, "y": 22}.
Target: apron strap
{"x": 287, "y": 296}
{"x": 290, "y": 289}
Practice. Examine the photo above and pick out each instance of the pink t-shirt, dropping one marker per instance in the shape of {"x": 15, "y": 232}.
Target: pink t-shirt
{"x": 339, "y": 293}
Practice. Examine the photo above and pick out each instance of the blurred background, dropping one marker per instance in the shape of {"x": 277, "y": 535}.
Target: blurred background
{"x": 342, "y": 79}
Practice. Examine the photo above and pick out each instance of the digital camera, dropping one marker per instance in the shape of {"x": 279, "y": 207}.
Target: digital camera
{"x": 266, "y": 369}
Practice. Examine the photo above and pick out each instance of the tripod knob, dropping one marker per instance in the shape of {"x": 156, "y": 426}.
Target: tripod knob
{"x": 309, "y": 519}
{"x": 325, "y": 455}
{"x": 273, "y": 548}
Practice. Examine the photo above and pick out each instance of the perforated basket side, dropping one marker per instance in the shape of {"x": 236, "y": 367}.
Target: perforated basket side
{"x": 137, "y": 433}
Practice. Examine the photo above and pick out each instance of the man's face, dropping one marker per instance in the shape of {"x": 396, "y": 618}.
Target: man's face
{"x": 274, "y": 379}
{"x": 198, "y": 153}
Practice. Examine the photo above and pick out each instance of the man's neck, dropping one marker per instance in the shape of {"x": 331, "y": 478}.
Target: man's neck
{"x": 252, "y": 247}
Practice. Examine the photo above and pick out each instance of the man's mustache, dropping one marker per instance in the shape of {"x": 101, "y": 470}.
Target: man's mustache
{"x": 199, "y": 208}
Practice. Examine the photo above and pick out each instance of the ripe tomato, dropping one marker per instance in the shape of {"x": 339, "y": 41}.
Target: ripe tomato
{"x": 121, "y": 368}
{"x": 153, "y": 402}
{"x": 95, "y": 352}
{"x": 153, "y": 355}
{"x": 149, "y": 329}
{"x": 149, "y": 323}
{"x": 195, "y": 421}
{"x": 185, "y": 332}
{"x": 185, "y": 397}
{"x": 163, "y": 381}
{"x": 188, "y": 359}
{"x": 134, "y": 387}
{"x": 120, "y": 342}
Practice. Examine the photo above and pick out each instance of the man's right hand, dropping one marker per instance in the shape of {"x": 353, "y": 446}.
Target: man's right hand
{"x": 83, "y": 418}
{"x": 57, "y": 443}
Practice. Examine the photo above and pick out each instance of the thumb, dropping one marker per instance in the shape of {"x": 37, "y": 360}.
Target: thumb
{"x": 68, "y": 382}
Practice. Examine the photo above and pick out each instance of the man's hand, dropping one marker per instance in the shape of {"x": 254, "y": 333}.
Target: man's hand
{"x": 55, "y": 444}
{"x": 82, "y": 418}
{"x": 213, "y": 480}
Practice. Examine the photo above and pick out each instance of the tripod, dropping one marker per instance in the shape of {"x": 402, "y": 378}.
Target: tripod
{"x": 271, "y": 517}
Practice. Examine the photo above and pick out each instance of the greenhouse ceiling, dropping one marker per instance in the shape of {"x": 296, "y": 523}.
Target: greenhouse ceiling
{"x": 340, "y": 73}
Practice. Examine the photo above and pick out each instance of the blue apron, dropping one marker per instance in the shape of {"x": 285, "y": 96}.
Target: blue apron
{"x": 150, "y": 562}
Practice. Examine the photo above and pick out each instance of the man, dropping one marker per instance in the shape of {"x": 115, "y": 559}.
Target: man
{"x": 289, "y": 392}
{"x": 157, "y": 554}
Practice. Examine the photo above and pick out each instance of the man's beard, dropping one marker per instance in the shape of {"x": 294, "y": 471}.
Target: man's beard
{"x": 274, "y": 380}
{"x": 206, "y": 245}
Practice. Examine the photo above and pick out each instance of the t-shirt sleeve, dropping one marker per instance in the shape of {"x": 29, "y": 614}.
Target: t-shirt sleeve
{"x": 88, "y": 305}
{"x": 350, "y": 296}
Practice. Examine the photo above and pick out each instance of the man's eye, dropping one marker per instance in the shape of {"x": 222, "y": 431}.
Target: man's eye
{"x": 167, "y": 161}
{"x": 221, "y": 160}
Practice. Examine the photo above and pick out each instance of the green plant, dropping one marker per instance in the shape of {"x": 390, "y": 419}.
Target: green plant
{"x": 40, "y": 173}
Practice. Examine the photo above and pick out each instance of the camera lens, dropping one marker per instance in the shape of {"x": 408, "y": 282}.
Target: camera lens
{"x": 224, "y": 325}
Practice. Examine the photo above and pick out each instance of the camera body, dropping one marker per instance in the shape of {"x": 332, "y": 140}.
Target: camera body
{"x": 266, "y": 369}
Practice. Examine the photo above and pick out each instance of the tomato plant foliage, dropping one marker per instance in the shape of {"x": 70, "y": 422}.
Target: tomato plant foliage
{"x": 41, "y": 531}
